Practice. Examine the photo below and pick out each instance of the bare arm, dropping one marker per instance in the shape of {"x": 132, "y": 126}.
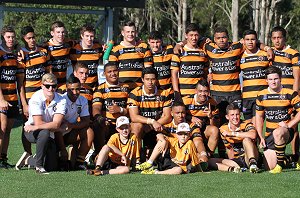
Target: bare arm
{"x": 83, "y": 123}
{"x": 166, "y": 116}
{"x": 39, "y": 124}
{"x": 175, "y": 80}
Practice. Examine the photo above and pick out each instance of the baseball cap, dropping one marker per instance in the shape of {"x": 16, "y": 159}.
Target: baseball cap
{"x": 183, "y": 127}
{"x": 122, "y": 120}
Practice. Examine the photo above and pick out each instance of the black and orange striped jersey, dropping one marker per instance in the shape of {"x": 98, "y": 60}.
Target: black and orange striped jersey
{"x": 190, "y": 65}
{"x": 150, "y": 106}
{"x": 235, "y": 143}
{"x": 59, "y": 59}
{"x": 170, "y": 129}
{"x": 287, "y": 60}
{"x": 9, "y": 69}
{"x": 162, "y": 63}
{"x": 131, "y": 149}
{"x": 89, "y": 57}
{"x": 34, "y": 67}
{"x": 106, "y": 95}
{"x": 131, "y": 61}
{"x": 276, "y": 107}
{"x": 225, "y": 67}
{"x": 85, "y": 91}
{"x": 253, "y": 71}
{"x": 184, "y": 156}
{"x": 196, "y": 109}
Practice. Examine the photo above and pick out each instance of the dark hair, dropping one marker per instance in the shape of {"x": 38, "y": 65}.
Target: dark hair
{"x": 110, "y": 65}
{"x": 72, "y": 79}
{"x": 80, "y": 65}
{"x": 149, "y": 70}
{"x": 203, "y": 83}
{"x": 279, "y": 29}
{"x": 178, "y": 104}
{"x": 129, "y": 23}
{"x": 273, "y": 70}
{"x": 248, "y": 32}
{"x": 155, "y": 35}
{"x": 232, "y": 107}
{"x": 192, "y": 27}
{"x": 87, "y": 28}
{"x": 57, "y": 24}
{"x": 220, "y": 29}
{"x": 25, "y": 30}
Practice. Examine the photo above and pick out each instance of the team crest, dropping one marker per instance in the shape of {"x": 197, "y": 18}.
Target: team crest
{"x": 286, "y": 55}
{"x": 201, "y": 54}
{"x": 50, "y": 48}
{"x": 260, "y": 58}
{"x": 143, "y": 98}
{"x": 186, "y": 151}
{"x": 121, "y": 51}
{"x": 79, "y": 109}
{"x": 123, "y": 89}
{"x": 282, "y": 97}
{"x": 138, "y": 49}
{"x": 191, "y": 106}
{"x": 214, "y": 51}
{"x": 157, "y": 98}
{"x": 107, "y": 90}
{"x": 243, "y": 60}
{"x": 265, "y": 97}
{"x": 54, "y": 108}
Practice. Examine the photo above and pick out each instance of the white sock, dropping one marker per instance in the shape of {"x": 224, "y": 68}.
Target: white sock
{"x": 150, "y": 162}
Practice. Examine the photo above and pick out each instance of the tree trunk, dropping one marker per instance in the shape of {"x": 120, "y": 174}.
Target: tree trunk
{"x": 235, "y": 20}
{"x": 184, "y": 17}
{"x": 256, "y": 15}
{"x": 179, "y": 20}
{"x": 262, "y": 20}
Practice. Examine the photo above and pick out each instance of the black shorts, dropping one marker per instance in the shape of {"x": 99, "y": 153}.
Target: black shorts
{"x": 108, "y": 164}
{"x": 223, "y": 101}
{"x": 240, "y": 161}
{"x": 270, "y": 144}
{"x": 249, "y": 109}
{"x": 165, "y": 162}
{"x": 12, "y": 111}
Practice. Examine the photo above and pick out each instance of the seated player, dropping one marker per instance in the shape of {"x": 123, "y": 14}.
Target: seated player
{"x": 179, "y": 115}
{"x": 149, "y": 107}
{"x": 75, "y": 126}
{"x": 239, "y": 139}
{"x": 276, "y": 104}
{"x": 173, "y": 155}
{"x": 109, "y": 103}
{"x": 202, "y": 110}
{"x": 121, "y": 151}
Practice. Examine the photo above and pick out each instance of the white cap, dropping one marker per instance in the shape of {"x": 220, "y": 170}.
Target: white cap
{"x": 183, "y": 127}
{"x": 122, "y": 120}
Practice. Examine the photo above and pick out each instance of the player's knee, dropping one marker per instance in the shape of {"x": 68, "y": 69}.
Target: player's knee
{"x": 247, "y": 140}
{"x": 105, "y": 149}
{"x": 125, "y": 170}
{"x": 278, "y": 133}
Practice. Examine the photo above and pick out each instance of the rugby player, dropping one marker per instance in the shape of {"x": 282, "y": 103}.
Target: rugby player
{"x": 239, "y": 139}
{"x": 162, "y": 56}
{"x": 131, "y": 56}
{"x": 276, "y": 104}
{"x": 191, "y": 65}
{"x": 120, "y": 153}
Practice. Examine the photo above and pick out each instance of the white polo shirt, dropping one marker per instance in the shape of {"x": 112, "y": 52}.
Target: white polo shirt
{"x": 37, "y": 106}
{"x": 79, "y": 108}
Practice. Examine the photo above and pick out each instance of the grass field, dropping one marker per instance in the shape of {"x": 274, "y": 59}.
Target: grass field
{"x": 26, "y": 183}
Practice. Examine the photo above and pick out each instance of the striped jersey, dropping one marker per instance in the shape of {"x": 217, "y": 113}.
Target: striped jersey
{"x": 276, "y": 107}
{"x": 253, "y": 71}
{"x": 190, "y": 64}
{"x": 89, "y": 57}
{"x": 106, "y": 95}
{"x": 150, "y": 106}
{"x": 162, "y": 63}
{"x": 287, "y": 60}
{"x": 131, "y": 61}
{"x": 225, "y": 66}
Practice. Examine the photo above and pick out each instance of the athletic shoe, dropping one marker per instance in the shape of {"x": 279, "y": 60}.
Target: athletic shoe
{"x": 143, "y": 166}
{"x": 149, "y": 171}
{"x": 253, "y": 168}
{"x": 298, "y": 164}
{"x": 237, "y": 170}
{"x": 2, "y": 164}
{"x": 277, "y": 169}
{"x": 22, "y": 161}
{"x": 41, "y": 171}
{"x": 8, "y": 165}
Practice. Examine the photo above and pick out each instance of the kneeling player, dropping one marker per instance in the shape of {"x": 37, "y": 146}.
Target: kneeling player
{"x": 238, "y": 138}
{"x": 174, "y": 155}
{"x": 121, "y": 151}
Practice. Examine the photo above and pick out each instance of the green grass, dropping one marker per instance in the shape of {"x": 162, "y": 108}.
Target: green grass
{"x": 26, "y": 183}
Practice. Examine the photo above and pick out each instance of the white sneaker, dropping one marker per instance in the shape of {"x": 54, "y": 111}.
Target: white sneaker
{"x": 253, "y": 168}
{"x": 22, "y": 161}
{"x": 41, "y": 170}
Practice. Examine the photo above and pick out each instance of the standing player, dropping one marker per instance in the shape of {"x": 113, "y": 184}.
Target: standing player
{"x": 191, "y": 65}
{"x": 253, "y": 64}
{"x": 276, "y": 104}
{"x": 287, "y": 59}
{"x": 120, "y": 153}
{"x": 203, "y": 112}
{"x": 149, "y": 107}
{"x": 239, "y": 138}
{"x": 33, "y": 60}
{"x": 109, "y": 103}
{"x": 58, "y": 49}
{"x": 89, "y": 53}
{"x": 8, "y": 90}
{"x": 162, "y": 56}
{"x": 131, "y": 57}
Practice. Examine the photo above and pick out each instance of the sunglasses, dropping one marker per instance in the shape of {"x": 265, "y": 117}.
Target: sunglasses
{"x": 48, "y": 86}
